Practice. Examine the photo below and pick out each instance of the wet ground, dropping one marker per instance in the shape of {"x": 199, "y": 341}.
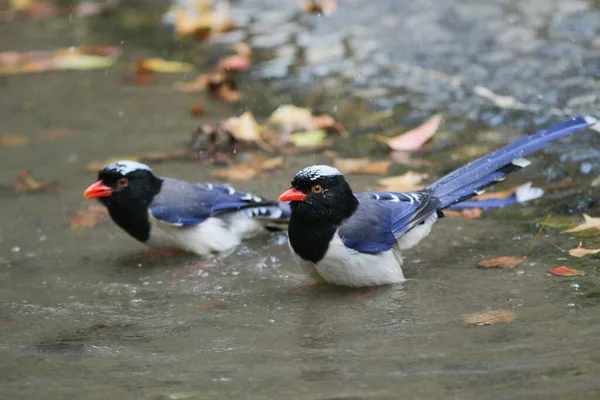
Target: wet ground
{"x": 88, "y": 314}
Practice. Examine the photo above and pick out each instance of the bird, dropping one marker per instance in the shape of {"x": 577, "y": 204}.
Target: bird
{"x": 356, "y": 239}
{"x": 168, "y": 213}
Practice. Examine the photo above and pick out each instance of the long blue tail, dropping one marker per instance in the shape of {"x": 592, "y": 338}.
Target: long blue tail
{"x": 466, "y": 181}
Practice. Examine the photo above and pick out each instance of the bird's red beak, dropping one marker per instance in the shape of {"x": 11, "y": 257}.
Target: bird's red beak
{"x": 98, "y": 189}
{"x": 292, "y": 195}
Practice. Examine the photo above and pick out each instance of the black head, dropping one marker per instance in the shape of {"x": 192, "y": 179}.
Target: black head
{"x": 125, "y": 183}
{"x": 320, "y": 193}
{"x": 127, "y": 188}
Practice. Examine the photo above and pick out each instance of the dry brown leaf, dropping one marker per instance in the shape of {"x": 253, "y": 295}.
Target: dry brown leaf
{"x": 491, "y": 317}
{"x": 361, "y": 166}
{"x": 580, "y": 251}
{"x": 227, "y": 94}
{"x": 197, "y": 110}
{"x": 260, "y": 164}
{"x": 244, "y": 128}
{"x": 589, "y": 223}
{"x": 500, "y": 262}
{"x": 236, "y": 173}
{"x": 234, "y": 63}
{"x": 243, "y": 49}
{"x": 330, "y": 153}
{"x": 88, "y": 218}
{"x": 197, "y": 85}
{"x": 12, "y": 140}
{"x": 403, "y": 183}
{"x": 26, "y": 183}
{"x": 157, "y": 64}
{"x": 415, "y": 138}
{"x": 291, "y": 118}
{"x": 326, "y": 7}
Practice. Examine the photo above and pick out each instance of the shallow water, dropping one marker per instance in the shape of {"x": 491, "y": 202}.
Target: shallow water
{"x": 88, "y": 314}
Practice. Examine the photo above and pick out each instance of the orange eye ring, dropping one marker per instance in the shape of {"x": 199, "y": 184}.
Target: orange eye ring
{"x": 123, "y": 182}
{"x": 316, "y": 189}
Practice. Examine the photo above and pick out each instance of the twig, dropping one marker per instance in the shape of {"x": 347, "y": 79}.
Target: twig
{"x": 537, "y": 236}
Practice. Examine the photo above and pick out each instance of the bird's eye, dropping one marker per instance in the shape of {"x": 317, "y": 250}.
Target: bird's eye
{"x": 123, "y": 182}
{"x": 317, "y": 189}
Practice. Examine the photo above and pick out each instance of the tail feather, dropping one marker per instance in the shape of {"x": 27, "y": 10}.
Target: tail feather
{"x": 475, "y": 176}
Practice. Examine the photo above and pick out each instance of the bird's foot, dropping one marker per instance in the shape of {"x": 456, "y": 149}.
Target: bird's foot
{"x": 312, "y": 286}
{"x": 365, "y": 295}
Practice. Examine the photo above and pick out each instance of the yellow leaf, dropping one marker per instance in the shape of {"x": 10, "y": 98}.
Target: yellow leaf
{"x": 243, "y": 128}
{"x": 589, "y": 223}
{"x": 160, "y": 65}
{"x": 403, "y": 183}
{"x": 580, "y": 251}
{"x": 308, "y": 139}
{"x": 491, "y": 317}
{"x": 12, "y": 140}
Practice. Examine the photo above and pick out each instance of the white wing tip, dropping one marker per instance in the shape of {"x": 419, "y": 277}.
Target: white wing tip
{"x": 593, "y": 122}
{"x": 526, "y": 193}
{"x": 521, "y": 162}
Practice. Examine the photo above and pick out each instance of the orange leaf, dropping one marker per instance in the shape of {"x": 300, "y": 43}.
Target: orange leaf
{"x": 500, "y": 262}
{"x": 564, "y": 271}
{"x": 13, "y": 140}
{"x": 197, "y": 110}
{"x": 326, "y": 7}
{"x": 361, "y": 166}
{"x": 26, "y": 183}
{"x": 228, "y": 95}
{"x": 243, "y": 49}
{"x": 197, "y": 85}
{"x": 88, "y": 218}
{"x": 415, "y": 138}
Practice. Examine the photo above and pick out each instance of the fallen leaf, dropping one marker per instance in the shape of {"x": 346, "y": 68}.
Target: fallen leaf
{"x": 308, "y": 139}
{"x": 250, "y": 170}
{"x": 564, "y": 271}
{"x": 491, "y": 317}
{"x": 73, "y": 58}
{"x": 26, "y": 183}
{"x": 467, "y": 213}
{"x": 589, "y": 223}
{"x": 330, "y": 153}
{"x": 236, "y": 172}
{"x": 290, "y": 118}
{"x": 197, "y": 110}
{"x": 12, "y": 140}
{"x": 227, "y": 94}
{"x": 197, "y": 85}
{"x": 88, "y": 218}
{"x": 580, "y": 251}
{"x": 244, "y": 128}
{"x": 160, "y": 65}
{"x": 234, "y": 63}
{"x": 243, "y": 49}
{"x": 326, "y": 7}
{"x": 55, "y": 134}
{"x": 403, "y": 183}
{"x": 500, "y": 262}
{"x": 415, "y": 138}
{"x": 221, "y": 21}
{"x": 361, "y": 166}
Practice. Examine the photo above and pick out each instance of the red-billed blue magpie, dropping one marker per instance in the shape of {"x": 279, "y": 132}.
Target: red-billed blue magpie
{"x": 355, "y": 239}
{"x": 172, "y": 214}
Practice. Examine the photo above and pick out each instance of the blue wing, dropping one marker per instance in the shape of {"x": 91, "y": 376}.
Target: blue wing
{"x": 183, "y": 203}
{"x": 382, "y": 217}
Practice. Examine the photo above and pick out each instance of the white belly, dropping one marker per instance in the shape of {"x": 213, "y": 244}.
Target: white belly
{"x": 212, "y": 235}
{"x": 343, "y": 266}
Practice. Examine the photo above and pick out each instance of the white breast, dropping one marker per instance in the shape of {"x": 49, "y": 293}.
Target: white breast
{"x": 211, "y": 236}
{"x": 347, "y": 267}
